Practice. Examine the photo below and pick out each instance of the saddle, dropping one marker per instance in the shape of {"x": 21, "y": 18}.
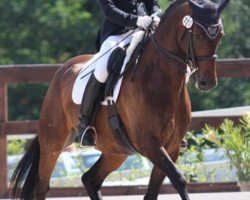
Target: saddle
{"x": 117, "y": 60}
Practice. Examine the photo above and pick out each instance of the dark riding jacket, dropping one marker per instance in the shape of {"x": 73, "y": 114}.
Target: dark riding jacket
{"x": 121, "y": 15}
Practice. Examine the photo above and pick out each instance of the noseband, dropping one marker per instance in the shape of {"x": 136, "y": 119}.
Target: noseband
{"x": 191, "y": 59}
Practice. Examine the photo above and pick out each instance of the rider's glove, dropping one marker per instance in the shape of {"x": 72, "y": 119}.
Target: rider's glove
{"x": 144, "y": 22}
{"x": 156, "y": 21}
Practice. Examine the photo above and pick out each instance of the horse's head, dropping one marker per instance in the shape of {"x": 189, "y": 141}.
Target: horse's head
{"x": 199, "y": 38}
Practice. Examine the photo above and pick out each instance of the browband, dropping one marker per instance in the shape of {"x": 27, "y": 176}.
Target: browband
{"x": 211, "y": 30}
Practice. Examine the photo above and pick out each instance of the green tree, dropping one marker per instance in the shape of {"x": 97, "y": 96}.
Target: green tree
{"x": 47, "y": 31}
{"x": 25, "y": 100}
{"x": 236, "y": 42}
{"x": 43, "y": 32}
{"x": 229, "y": 93}
{"x": 17, "y": 146}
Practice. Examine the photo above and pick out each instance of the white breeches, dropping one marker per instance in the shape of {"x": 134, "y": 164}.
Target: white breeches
{"x": 108, "y": 46}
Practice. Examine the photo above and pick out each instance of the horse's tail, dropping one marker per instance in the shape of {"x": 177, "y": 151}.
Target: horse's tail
{"x": 26, "y": 172}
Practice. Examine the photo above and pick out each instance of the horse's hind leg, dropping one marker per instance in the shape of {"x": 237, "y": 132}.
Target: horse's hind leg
{"x": 94, "y": 178}
{"x": 161, "y": 159}
{"x": 53, "y": 135}
{"x": 46, "y": 166}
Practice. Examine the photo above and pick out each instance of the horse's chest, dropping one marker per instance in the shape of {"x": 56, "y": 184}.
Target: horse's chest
{"x": 177, "y": 124}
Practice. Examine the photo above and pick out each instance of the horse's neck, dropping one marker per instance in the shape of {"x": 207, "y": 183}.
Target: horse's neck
{"x": 168, "y": 37}
{"x": 160, "y": 76}
{"x": 167, "y": 32}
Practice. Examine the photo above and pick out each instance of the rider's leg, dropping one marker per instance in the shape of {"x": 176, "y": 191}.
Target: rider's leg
{"x": 94, "y": 90}
{"x": 92, "y": 97}
{"x": 90, "y": 102}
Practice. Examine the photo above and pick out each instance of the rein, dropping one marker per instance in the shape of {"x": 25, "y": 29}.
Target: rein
{"x": 190, "y": 60}
{"x": 167, "y": 54}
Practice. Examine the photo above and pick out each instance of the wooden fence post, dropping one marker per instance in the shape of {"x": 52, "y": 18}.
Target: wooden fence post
{"x": 3, "y": 140}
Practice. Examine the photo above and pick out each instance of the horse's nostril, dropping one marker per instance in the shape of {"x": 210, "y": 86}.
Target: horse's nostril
{"x": 203, "y": 83}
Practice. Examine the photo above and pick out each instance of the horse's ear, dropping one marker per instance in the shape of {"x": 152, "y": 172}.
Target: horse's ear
{"x": 195, "y": 5}
{"x": 222, "y": 5}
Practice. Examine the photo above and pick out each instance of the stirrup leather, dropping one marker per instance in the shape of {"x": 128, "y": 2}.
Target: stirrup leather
{"x": 87, "y": 128}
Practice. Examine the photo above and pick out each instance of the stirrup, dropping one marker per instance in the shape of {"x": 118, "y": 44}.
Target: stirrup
{"x": 94, "y": 136}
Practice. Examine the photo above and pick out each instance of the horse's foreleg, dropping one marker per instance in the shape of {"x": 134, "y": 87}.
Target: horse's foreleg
{"x": 94, "y": 178}
{"x": 161, "y": 159}
{"x": 156, "y": 179}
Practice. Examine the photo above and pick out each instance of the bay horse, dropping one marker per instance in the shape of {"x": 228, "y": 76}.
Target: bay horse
{"x": 155, "y": 107}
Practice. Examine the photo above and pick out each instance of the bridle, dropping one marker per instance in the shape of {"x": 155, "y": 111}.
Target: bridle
{"x": 191, "y": 59}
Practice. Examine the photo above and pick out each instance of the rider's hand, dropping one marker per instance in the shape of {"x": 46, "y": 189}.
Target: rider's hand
{"x": 144, "y": 22}
{"x": 156, "y": 21}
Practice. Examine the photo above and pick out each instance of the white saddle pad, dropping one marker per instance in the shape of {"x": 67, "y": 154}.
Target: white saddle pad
{"x": 89, "y": 67}
{"x": 82, "y": 80}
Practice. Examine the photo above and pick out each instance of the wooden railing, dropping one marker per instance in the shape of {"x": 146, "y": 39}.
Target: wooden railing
{"x": 42, "y": 73}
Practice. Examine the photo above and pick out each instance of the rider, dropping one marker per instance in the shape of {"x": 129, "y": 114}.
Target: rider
{"x": 121, "y": 18}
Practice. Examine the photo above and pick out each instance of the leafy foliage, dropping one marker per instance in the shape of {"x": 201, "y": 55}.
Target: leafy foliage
{"x": 191, "y": 159}
{"x": 236, "y": 42}
{"x": 24, "y": 104}
{"x": 47, "y": 31}
{"x": 235, "y": 140}
{"x": 17, "y": 146}
{"x": 230, "y": 92}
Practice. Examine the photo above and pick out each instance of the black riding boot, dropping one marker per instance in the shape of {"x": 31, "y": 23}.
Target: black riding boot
{"x": 90, "y": 103}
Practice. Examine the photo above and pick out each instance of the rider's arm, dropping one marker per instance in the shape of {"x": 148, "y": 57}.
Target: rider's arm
{"x": 116, "y": 15}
